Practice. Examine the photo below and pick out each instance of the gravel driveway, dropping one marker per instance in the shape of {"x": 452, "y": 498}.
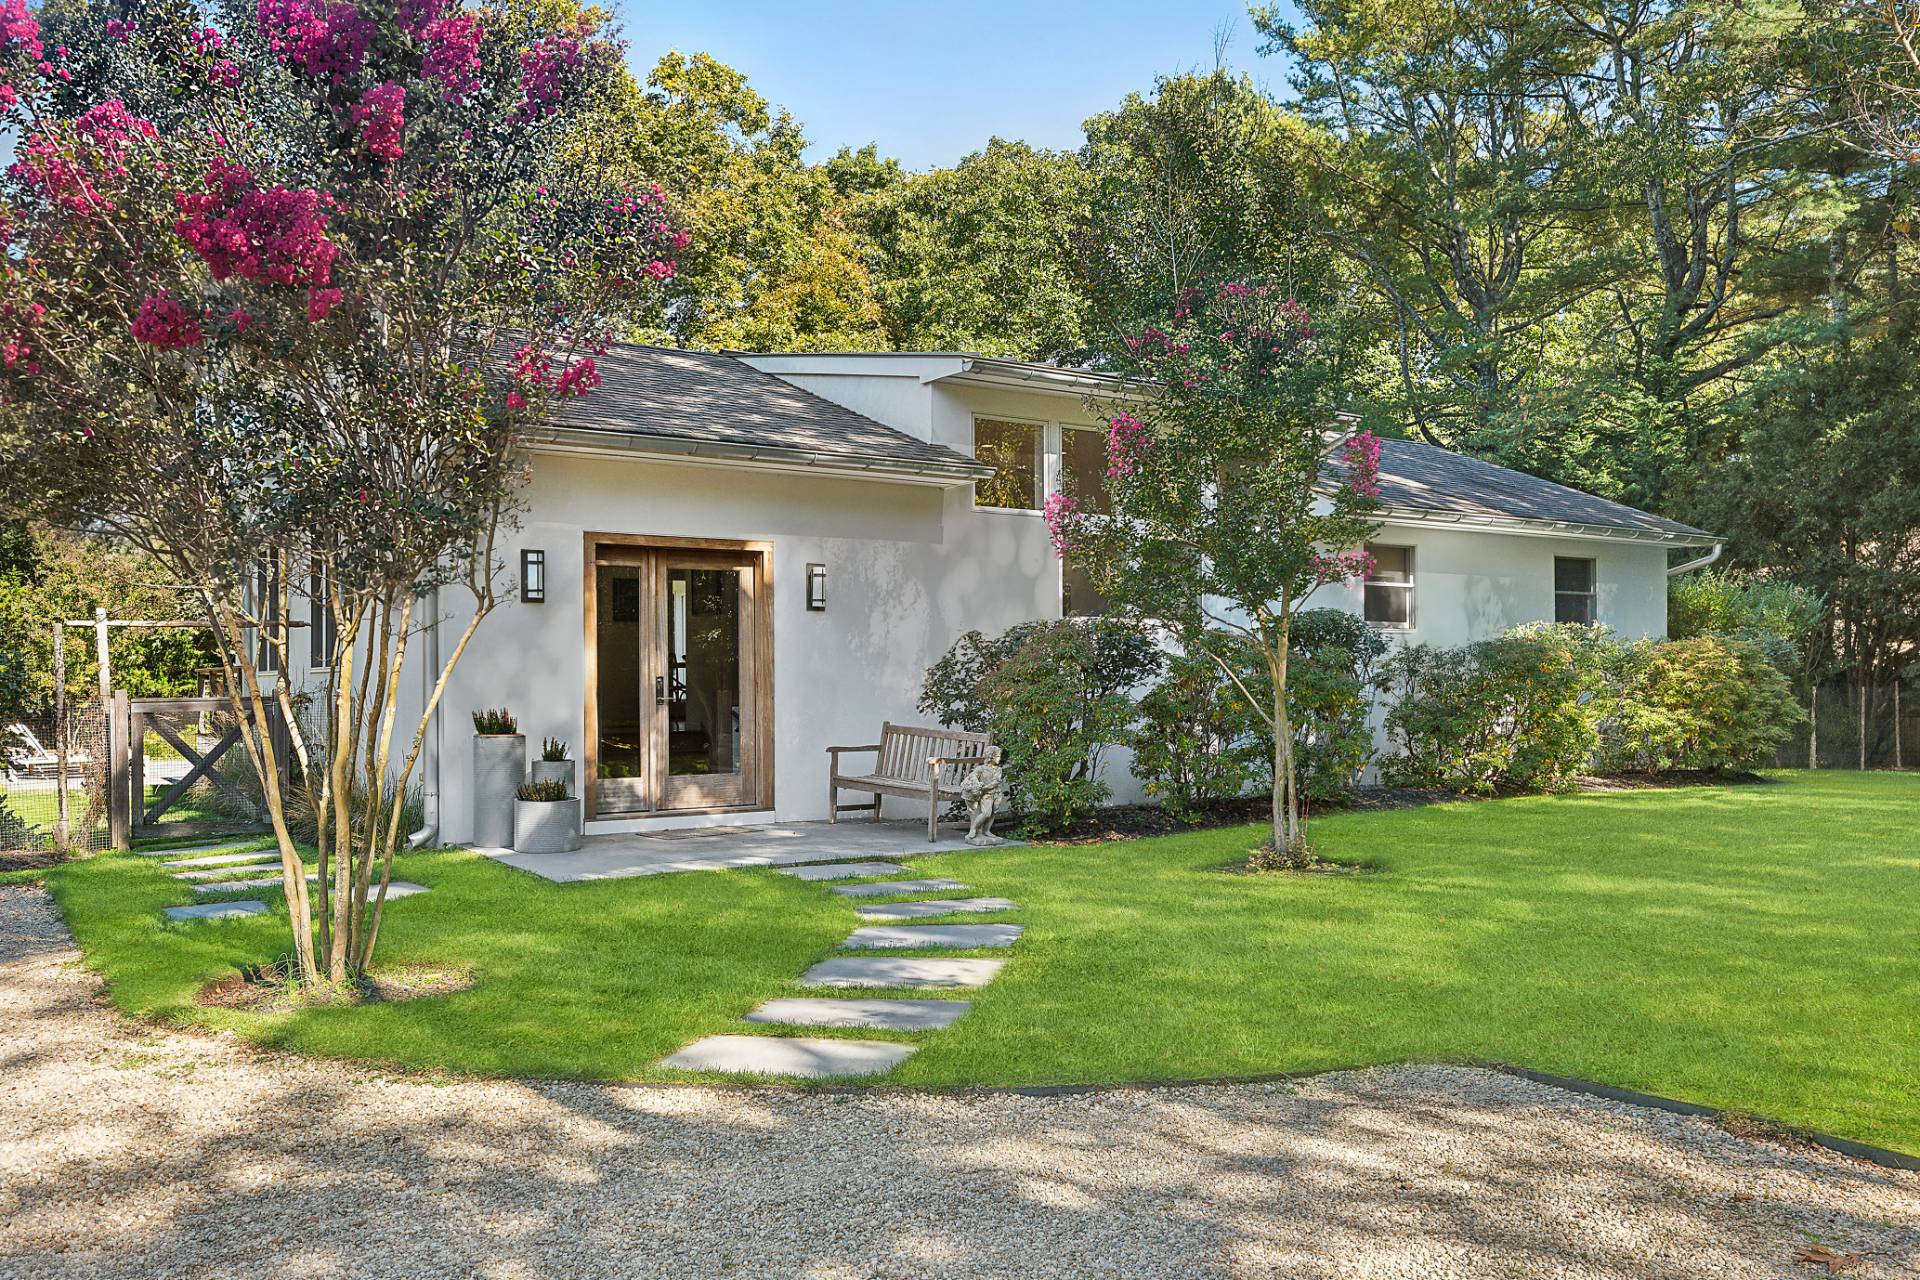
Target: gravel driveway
{"x": 127, "y": 1151}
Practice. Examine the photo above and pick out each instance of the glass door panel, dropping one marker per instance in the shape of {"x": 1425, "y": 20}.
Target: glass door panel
{"x": 622, "y": 699}
{"x": 705, "y": 633}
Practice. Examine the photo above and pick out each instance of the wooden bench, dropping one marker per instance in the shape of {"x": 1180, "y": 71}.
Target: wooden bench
{"x": 918, "y": 763}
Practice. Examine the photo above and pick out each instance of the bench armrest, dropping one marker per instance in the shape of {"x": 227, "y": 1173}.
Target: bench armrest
{"x": 836, "y": 751}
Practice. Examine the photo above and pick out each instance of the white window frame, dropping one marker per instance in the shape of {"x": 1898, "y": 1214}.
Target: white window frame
{"x": 1413, "y": 601}
{"x": 1591, "y": 595}
{"x": 1045, "y": 472}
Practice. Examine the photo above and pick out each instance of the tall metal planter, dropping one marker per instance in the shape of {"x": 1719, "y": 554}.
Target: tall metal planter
{"x": 499, "y": 766}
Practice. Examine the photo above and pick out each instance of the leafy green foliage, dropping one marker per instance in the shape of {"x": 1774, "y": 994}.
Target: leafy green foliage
{"x": 1774, "y": 615}
{"x": 495, "y": 720}
{"x": 1700, "y": 703}
{"x": 545, "y": 790}
{"x": 1054, "y": 696}
{"x": 553, "y": 749}
{"x": 1511, "y": 713}
{"x": 1191, "y": 744}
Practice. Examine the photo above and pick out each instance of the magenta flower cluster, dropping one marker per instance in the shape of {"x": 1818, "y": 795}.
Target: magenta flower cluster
{"x": 1362, "y": 456}
{"x": 1059, "y": 511}
{"x": 549, "y": 70}
{"x": 20, "y": 39}
{"x": 453, "y": 55}
{"x": 163, "y": 322}
{"x": 59, "y": 173}
{"x": 1126, "y": 436}
{"x": 533, "y": 368}
{"x": 325, "y": 41}
{"x": 275, "y": 235}
{"x": 380, "y": 117}
{"x": 1341, "y": 567}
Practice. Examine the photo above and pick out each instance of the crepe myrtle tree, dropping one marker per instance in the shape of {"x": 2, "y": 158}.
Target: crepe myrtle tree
{"x": 286, "y": 344}
{"x": 1230, "y": 501}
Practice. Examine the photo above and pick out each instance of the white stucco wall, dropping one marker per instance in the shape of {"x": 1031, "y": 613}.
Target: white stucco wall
{"x": 910, "y": 567}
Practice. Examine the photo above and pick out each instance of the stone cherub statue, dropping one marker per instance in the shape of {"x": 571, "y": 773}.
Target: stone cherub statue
{"x": 981, "y": 790}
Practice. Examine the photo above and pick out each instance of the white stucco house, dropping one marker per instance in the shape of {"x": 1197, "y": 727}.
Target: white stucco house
{"x": 737, "y": 560}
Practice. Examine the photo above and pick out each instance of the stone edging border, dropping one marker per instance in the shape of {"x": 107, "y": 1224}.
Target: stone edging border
{"x": 1881, "y": 1156}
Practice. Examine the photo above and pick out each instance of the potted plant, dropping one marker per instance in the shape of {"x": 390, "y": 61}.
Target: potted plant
{"x": 499, "y": 765}
{"x": 554, "y": 765}
{"x": 546, "y": 818}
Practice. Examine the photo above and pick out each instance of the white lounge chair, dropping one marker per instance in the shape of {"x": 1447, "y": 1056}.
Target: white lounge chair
{"x": 24, "y": 754}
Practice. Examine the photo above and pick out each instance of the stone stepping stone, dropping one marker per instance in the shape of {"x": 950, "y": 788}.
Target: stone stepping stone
{"x": 843, "y": 870}
{"x": 217, "y": 910}
{"x": 397, "y": 889}
{"x": 237, "y": 869}
{"x": 934, "y": 907}
{"x": 218, "y": 846}
{"x": 902, "y": 936}
{"x": 780, "y": 1056}
{"x": 225, "y": 859}
{"x": 881, "y": 888}
{"x": 890, "y": 1015}
{"x": 925, "y": 972}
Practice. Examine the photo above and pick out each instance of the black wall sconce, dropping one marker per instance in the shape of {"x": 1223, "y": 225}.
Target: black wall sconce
{"x": 817, "y": 588}
{"x": 533, "y": 577}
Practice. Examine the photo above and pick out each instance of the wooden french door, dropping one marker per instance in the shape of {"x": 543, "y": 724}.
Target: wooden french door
{"x": 678, "y": 708}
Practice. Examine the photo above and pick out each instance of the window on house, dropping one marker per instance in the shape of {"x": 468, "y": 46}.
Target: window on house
{"x": 1083, "y": 475}
{"x": 322, "y": 627}
{"x": 1389, "y": 588}
{"x": 1573, "y": 593}
{"x": 266, "y": 607}
{"x": 1012, "y": 449}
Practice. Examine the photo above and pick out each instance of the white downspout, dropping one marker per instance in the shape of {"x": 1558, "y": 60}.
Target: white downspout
{"x": 1700, "y": 563}
{"x": 429, "y": 830}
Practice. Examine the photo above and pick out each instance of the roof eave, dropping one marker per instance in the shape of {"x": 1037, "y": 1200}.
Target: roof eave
{"x": 763, "y": 457}
{"x": 1021, "y": 376}
{"x": 1525, "y": 527}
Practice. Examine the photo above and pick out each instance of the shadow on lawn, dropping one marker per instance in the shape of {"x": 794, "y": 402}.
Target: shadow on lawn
{"x": 138, "y": 1148}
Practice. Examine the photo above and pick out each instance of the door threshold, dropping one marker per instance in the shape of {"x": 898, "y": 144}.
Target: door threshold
{"x": 678, "y": 820}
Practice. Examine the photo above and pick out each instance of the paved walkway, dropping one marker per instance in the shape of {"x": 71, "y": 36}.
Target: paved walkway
{"x": 778, "y": 1057}
{"x": 614, "y": 857}
{"x": 137, "y": 1152}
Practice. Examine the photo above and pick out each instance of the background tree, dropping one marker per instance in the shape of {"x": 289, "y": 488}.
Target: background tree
{"x": 286, "y": 341}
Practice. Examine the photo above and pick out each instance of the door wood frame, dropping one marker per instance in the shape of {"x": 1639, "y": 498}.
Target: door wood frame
{"x": 617, "y": 548}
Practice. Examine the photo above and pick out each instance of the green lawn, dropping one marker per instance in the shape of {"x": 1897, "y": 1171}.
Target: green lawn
{"x": 1749, "y": 947}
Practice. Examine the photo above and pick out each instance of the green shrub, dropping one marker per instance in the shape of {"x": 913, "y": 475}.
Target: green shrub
{"x": 1701, "y": 703}
{"x": 1054, "y": 697}
{"x": 1518, "y": 712}
{"x": 1777, "y": 617}
{"x": 16, "y": 833}
{"x": 1190, "y": 744}
{"x": 553, "y": 750}
{"x": 495, "y": 720}
{"x": 544, "y": 789}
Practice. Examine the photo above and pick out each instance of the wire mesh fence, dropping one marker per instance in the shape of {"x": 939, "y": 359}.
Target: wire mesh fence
{"x": 53, "y": 792}
{"x": 1856, "y": 726}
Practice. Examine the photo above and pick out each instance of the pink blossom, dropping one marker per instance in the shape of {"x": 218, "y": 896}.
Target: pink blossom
{"x": 453, "y": 55}
{"x": 1059, "y": 512}
{"x": 276, "y": 236}
{"x": 163, "y": 322}
{"x": 120, "y": 31}
{"x": 381, "y": 119}
{"x": 578, "y": 378}
{"x": 1362, "y": 456}
{"x": 110, "y": 124}
{"x": 327, "y": 41}
{"x": 1341, "y": 567}
{"x": 71, "y": 179}
{"x": 19, "y": 31}
{"x": 516, "y": 401}
{"x": 242, "y": 320}
{"x": 552, "y": 69}
{"x": 414, "y": 15}
{"x": 320, "y": 302}
{"x": 1126, "y": 437}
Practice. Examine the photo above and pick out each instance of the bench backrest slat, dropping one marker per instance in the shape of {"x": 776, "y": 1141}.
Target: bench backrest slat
{"x": 905, "y": 749}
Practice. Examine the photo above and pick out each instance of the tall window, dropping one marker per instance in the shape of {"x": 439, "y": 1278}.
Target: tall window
{"x": 1012, "y": 449}
{"x": 1084, "y": 477}
{"x": 1389, "y": 588}
{"x": 1573, "y": 593}
{"x": 322, "y": 627}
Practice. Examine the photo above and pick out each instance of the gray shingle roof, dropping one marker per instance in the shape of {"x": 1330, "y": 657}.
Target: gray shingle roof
{"x": 717, "y": 401}
{"x": 1420, "y": 477}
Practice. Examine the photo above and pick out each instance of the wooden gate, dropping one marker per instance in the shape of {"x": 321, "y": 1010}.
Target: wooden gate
{"x": 215, "y": 732}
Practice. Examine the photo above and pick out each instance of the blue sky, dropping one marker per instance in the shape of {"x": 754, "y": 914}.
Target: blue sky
{"x": 931, "y": 83}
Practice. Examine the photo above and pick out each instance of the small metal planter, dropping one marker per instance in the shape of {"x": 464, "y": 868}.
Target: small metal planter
{"x": 546, "y": 826}
{"x": 553, "y": 771}
{"x": 499, "y": 766}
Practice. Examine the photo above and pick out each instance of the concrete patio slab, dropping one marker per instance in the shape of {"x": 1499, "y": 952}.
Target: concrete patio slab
{"x": 217, "y": 910}
{"x": 780, "y": 1056}
{"x": 228, "y": 872}
{"x": 886, "y": 937}
{"x": 934, "y": 907}
{"x": 844, "y": 870}
{"x": 223, "y": 859}
{"x": 615, "y": 857}
{"x": 882, "y": 888}
{"x": 925, "y": 972}
{"x": 890, "y": 1015}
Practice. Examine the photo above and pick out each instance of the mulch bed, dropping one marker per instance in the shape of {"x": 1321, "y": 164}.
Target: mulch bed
{"x": 31, "y": 859}
{"x": 266, "y": 989}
